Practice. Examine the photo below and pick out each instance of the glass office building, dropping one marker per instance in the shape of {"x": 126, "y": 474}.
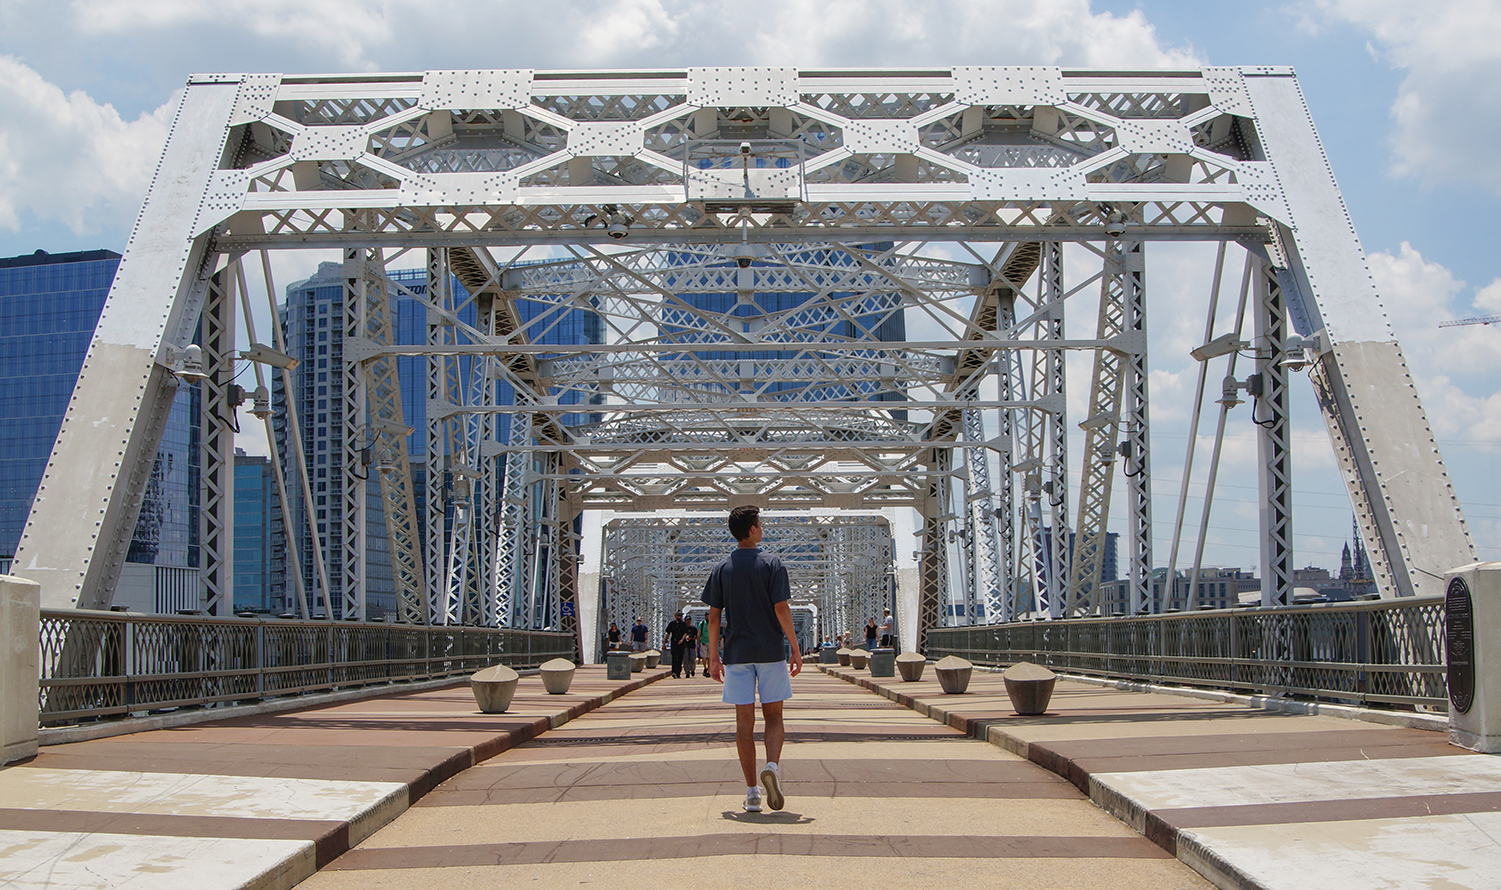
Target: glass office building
{"x": 49, "y": 306}
{"x": 311, "y": 319}
{"x": 260, "y": 539}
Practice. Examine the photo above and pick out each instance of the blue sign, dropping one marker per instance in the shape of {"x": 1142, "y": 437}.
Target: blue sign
{"x": 566, "y": 609}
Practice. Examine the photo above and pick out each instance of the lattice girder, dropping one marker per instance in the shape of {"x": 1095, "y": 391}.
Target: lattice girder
{"x": 464, "y": 160}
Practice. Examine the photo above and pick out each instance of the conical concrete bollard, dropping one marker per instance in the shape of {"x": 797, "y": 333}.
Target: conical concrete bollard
{"x": 653, "y": 658}
{"x": 953, "y": 674}
{"x": 493, "y": 688}
{"x": 844, "y": 657}
{"x": 910, "y": 665}
{"x": 638, "y": 662}
{"x": 557, "y": 675}
{"x": 858, "y": 658}
{"x": 1030, "y": 687}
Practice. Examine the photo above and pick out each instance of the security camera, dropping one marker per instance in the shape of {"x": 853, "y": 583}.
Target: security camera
{"x": 743, "y": 254}
{"x": 260, "y": 403}
{"x": 191, "y": 366}
{"x": 617, "y": 230}
{"x": 745, "y": 148}
{"x": 1115, "y": 225}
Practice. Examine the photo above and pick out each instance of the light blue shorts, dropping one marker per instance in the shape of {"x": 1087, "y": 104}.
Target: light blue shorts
{"x": 770, "y": 679}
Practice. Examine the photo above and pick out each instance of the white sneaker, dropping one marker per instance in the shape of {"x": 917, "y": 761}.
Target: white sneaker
{"x": 773, "y": 782}
{"x": 752, "y": 800}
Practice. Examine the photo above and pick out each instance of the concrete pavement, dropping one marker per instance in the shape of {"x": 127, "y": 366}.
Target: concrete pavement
{"x": 1247, "y": 797}
{"x": 255, "y": 802}
{"x": 646, "y": 791}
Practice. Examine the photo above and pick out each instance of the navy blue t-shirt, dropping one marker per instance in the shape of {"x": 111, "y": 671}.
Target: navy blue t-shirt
{"x": 746, "y": 587}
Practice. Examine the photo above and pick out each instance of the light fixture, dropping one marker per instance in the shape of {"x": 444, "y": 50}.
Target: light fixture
{"x": 265, "y": 355}
{"x": 1218, "y": 346}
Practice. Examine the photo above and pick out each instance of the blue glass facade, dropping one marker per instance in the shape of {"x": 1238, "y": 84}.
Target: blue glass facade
{"x": 49, "y": 306}
{"x": 260, "y": 544}
{"x": 311, "y": 320}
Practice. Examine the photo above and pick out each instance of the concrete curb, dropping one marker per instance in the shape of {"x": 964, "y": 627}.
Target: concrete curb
{"x": 341, "y": 838}
{"x": 1181, "y": 844}
{"x": 62, "y": 735}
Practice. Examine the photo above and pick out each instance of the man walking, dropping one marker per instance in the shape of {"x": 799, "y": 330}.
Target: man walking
{"x": 638, "y": 635}
{"x": 747, "y": 595}
{"x": 677, "y": 638}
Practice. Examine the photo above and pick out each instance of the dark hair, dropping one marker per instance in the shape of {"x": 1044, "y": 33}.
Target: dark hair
{"x": 743, "y": 519}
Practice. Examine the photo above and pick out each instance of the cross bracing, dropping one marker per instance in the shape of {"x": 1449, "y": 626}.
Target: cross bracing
{"x": 839, "y": 565}
{"x": 796, "y": 288}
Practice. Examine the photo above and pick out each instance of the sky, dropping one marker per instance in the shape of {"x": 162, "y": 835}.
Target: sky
{"x": 85, "y": 86}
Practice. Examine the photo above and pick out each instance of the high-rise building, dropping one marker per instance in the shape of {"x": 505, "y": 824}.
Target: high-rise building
{"x": 49, "y": 306}
{"x": 260, "y": 538}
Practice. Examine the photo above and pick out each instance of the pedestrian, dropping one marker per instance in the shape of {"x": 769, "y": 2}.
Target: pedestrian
{"x": 870, "y": 634}
{"x": 690, "y": 650}
{"x": 703, "y": 641}
{"x": 638, "y": 635}
{"x": 747, "y": 595}
{"x": 677, "y": 639}
{"x": 886, "y": 630}
{"x": 614, "y": 635}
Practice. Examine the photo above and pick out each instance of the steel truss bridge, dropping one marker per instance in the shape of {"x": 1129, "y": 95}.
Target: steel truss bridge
{"x": 839, "y": 295}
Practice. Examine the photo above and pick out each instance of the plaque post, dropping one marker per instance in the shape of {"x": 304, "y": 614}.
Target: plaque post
{"x": 1472, "y": 638}
{"x": 20, "y": 602}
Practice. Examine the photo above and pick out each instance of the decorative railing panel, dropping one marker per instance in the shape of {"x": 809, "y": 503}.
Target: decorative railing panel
{"x": 1389, "y": 652}
{"x": 102, "y": 664}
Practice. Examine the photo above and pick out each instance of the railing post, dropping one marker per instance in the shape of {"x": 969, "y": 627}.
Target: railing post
{"x": 260, "y": 659}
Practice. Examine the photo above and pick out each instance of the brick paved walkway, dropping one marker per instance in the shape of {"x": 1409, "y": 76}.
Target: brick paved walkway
{"x": 646, "y": 791}
{"x": 1248, "y": 797}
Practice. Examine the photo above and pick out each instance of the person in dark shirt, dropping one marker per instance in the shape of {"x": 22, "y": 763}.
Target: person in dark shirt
{"x": 614, "y": 635}
{"x": 690, "y": 650}
{"x": 677, "y": 638}
{"x": 747, "y": 595}
{"x": 638, "y": 635}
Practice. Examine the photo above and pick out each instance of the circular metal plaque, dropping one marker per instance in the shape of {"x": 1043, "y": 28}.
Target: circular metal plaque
{"x": 1459, "y": 637}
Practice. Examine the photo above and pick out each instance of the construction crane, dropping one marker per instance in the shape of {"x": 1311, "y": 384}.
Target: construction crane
{"x": 1484, "y": 319}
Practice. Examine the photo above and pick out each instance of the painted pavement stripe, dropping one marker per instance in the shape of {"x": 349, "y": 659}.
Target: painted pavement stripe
{"x": 1332, "y": 810}
{"x": 1450, "y": 852}
{"x": 695, "y": 846}
{"x": 331, "y": 838}
{"x": 1283, "y": 783}
{"x": 199, "y": 795}
{"x": 31, "y": 860}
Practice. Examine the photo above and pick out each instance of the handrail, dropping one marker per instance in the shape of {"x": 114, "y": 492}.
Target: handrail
{"x": 1388, "y": 652}
{"x": 101, "y": 664}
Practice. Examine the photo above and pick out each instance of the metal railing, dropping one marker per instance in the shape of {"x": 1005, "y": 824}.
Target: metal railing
{"x": 1389, "y": 652}
{"x": 99, "y": 664}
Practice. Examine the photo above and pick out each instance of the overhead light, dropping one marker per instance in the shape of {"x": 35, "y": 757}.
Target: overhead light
{"x": 265, "y": 355}
{"x": 1217, "y": 347}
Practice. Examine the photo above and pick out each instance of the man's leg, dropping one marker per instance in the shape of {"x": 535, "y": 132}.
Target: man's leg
{"x": 745, "y": 740}
{"x": 775, "y": 733}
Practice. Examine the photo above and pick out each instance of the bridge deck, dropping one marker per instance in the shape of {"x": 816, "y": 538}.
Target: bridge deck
{"x": 645, "y": 789}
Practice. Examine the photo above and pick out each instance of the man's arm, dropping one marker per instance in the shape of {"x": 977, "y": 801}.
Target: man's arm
{"x": 784, "y": 618}
{"x": 716, "y": 670}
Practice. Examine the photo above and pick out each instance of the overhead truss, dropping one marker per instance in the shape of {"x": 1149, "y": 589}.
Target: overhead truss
{"x": 801, "y": 289}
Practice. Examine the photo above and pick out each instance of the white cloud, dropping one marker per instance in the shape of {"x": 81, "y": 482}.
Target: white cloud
{"x": 1455, "y": 369}
{"x": 396, "y": 34}
{"x": 1448, "y": 110}
{"x": 68, "y": 158}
